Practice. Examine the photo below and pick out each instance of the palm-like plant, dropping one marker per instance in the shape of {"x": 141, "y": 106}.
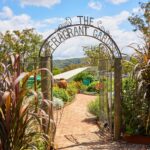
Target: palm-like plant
{"x": 21, "y": 112}
{"x": 140, "y": 98}
{"x": 142, "y": 76}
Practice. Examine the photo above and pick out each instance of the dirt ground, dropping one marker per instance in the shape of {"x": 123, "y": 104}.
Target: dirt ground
{"x": 78, "y": 130}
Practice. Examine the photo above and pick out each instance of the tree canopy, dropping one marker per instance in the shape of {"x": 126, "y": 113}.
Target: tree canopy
{"x": 95, "y": 54}
{"x": 141, "y": 22}
{"x": 26, "y": 43}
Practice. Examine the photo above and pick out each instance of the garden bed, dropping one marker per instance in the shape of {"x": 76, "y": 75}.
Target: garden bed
{"x": 137, "y": 139}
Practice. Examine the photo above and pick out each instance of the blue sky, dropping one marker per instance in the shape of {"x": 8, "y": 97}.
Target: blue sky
{"x": 46, "y": 15}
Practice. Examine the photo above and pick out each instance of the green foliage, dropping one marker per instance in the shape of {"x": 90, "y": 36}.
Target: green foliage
{"x": 136, "y": 99}
{"x": 92, "y": 87}
{"x": 71, "y": 89}
{"x": 128, "y": 65}
{"x": 135, "y": 109}
{"x": 96, "y": 86}
{"x": 80, "y": 86}
{"x": 83, "y": 87}
{"x": 21, "y": 114}
{"x": 26, "y": 43}
{"x": 84, "y": 75}
{"x": 61, "y": 93}
{"x": 40, "y": 146}
{"x": 94, "y": 55}
{"x": 56, "y": 71}
{"x": 89, "y": 77}
{"x": 128, "y": 105}
{"x": 141, "y": 21}
{"x": 141, "y": 74}
{"x": 79, "y": 77}
{"x": 67, "y": 94}
{"x": 94, "y": 107}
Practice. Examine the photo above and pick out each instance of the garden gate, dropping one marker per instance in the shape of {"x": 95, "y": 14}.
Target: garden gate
{"x": 103, "y": 67}
{"x": 85, "y": 27}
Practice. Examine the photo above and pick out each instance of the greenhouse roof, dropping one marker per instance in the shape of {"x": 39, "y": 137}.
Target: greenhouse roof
{"x": 69, "y": 74}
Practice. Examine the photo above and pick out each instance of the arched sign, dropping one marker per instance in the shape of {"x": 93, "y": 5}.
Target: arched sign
{"x": 84, "y": 27}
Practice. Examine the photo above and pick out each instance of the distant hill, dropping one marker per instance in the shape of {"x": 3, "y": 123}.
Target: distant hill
{"x": 66, "y": 62}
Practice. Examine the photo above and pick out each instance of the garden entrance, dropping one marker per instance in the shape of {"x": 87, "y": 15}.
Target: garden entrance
{"x": 88, "y": 28}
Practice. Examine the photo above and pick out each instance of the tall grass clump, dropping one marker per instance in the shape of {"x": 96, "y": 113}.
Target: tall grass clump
{"x": 21, "y": 111}
{"x": 94, "y": 107}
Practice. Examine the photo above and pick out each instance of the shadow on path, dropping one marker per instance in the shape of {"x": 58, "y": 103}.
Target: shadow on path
{"x": 79, "y": 131}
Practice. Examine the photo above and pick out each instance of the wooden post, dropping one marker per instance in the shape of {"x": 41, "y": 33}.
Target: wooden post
{"x": 46, "y": 78}
{"x": 46, "y": 86}
{"x": 117, "y": 98}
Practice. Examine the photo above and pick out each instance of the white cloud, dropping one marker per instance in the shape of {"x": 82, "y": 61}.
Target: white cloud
{"x": 53, "y": 20}
{"x": 137, "y": 10}
{"x": 6, "y": 12}
{"x": 72, "y": 47}
{"x": 122, "y": 37}
{"x": 116, "y": 2}
{"x": 95, "y": 5}
{"x": 10, "y": 21}
{"x": 40, "y": 3}
{"x": 112, "y": 22}
{"x": 13, "y": 22}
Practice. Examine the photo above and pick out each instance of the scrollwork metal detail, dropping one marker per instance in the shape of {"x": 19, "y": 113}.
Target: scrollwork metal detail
{"x": 68, "y": 21}
{"x": 100, "y": 26}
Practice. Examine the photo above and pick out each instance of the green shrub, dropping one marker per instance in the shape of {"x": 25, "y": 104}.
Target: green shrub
{"x": 61, "y": 93}
{"x": 128, "y": 105}
{"x": 94, "y": 107}
{"x": 83, "y": 87}
{"x": 21, "y": 125}
{"x": 84, "y": 75}
{"x": 135, "y": 109}
{"x": 80, "y": 86}
{"x": 56, "y": 71}
{"x": 40, "y": 146}
{"x": 66, "y": 94}
{"x": 80, "y": 76}
{"x": 92, "y": 87}
{"x": 71, "y": 89}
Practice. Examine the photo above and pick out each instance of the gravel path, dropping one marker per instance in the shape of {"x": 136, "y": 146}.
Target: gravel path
{"x": 78, "y": 130}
